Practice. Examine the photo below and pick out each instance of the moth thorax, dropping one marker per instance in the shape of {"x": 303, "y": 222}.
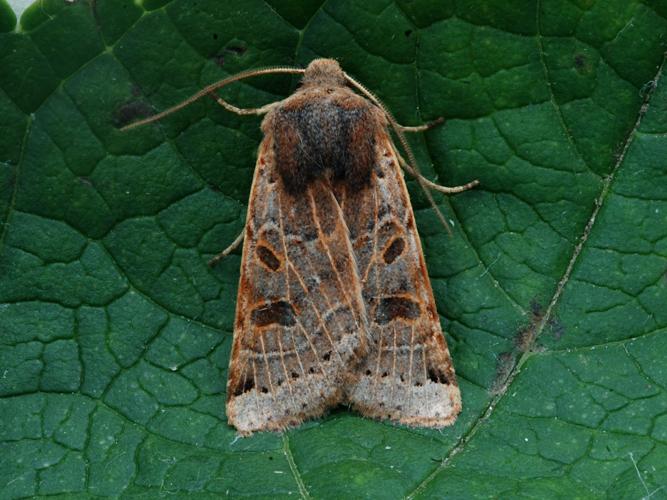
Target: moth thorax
{"x": 326, "y": 72}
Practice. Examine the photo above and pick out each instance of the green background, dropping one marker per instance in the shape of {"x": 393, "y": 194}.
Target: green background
{"x": 115, "y": 335}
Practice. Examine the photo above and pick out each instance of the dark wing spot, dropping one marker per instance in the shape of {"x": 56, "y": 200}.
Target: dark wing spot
{"x": 327, "y": 356}
{"x": 280, "y": 312}
{"x": 309, "y": 233}
{"x": 391, "y": 308}
{"x": 268, "y": 258}
{"x": 436, "y": 375}
{"x": 394, "y": 251}
{"x": 247, "y": 385}
{"x": 295, "y": 375}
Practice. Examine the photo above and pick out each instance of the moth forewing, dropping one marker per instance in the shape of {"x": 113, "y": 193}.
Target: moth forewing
{"x": 407, "y": 375}
{"x": 300, "y": 319}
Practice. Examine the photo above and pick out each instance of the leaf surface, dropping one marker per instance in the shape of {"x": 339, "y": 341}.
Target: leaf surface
{"x": 115, "y": 335}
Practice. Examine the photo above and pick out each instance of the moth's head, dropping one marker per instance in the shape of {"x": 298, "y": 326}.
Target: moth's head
{"x": 324, "y": 72}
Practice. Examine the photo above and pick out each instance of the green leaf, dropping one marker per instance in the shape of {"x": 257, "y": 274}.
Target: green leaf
{"x": 115, "y": 335}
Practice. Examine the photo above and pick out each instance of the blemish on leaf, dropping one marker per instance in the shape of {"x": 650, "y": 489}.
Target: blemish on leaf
{"x": 506, "y": 362}
{"x": 131, "y": 111}
{"x": 236, "y": 49}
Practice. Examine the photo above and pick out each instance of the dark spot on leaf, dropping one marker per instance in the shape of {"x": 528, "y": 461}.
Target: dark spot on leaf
{"x": 215, "y": 36}
{"x": 408, "y": 33}
{"x": 394, "y": 251}
{"x": 130, "y": 112}
{"x": 391, "y": 308}
{"x": 280, "y": 313}
{"x": 536, "y": 309}
{"x": 239, "y": 51}
{"x": 268, "y": 258}
{"x": 579, "y": 61}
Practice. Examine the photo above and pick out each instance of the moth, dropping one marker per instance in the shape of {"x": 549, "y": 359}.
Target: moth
{"x": 334, "y": 303}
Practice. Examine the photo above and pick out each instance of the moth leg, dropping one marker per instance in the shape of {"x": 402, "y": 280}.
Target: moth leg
{"x": 433, "y": 185}
{"x": 421, "y": 128}
{"x": 242, "y": 111}
{"x": 234, "y": 245}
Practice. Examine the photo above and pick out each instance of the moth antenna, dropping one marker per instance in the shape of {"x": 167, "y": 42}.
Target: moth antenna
{"x": 211, "y": 88}
{"x": 404, "y": 143}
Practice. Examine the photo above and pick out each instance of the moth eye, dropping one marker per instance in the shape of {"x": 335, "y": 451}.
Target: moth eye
{"x": 394, "y": 251}
{"x": 268, "y": 258}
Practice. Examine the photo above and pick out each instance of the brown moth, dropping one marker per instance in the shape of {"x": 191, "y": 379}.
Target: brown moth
{"x": 334, "y": 302}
